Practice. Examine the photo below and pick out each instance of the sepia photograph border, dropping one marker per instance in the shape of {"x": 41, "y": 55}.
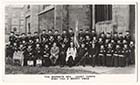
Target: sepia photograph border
{"x": 42, "y": 77}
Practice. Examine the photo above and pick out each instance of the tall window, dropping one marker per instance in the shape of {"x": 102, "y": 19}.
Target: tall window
{"x": 103, "y": 12}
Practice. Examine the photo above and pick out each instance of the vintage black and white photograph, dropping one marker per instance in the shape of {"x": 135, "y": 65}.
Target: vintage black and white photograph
{"x": 70, "y": 39}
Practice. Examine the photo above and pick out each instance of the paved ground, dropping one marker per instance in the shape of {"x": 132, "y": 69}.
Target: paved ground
{"x": 9, "y": 69}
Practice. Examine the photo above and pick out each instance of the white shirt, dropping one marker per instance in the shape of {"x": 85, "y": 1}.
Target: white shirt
{"x": 71, "y": 52}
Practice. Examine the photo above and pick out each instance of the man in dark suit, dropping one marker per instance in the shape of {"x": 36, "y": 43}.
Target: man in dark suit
{"x": 93, "y": 51}
{"x": 82, "y": 55}
{"x": 62, "y": 54}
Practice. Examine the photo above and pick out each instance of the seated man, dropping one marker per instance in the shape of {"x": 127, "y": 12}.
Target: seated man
{"x": 54, "y": 54}
{"x": 93, "y": 51}
{"x": 71, "y": 54}
{"x": 82, "y": 55}
{"x": 62, "y": 57}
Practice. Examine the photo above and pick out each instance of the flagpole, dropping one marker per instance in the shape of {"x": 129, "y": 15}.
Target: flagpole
{"x": 75, "y": 34}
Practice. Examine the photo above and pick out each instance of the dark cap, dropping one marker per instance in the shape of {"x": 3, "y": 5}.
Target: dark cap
{"x": 127, "y": 31}
{"x": 22, "y": 33}
{"x": 108, "y": 32}
{"x": 120, "y": 33}
{"x": 43, "y": 30}
{"x": 49, "y": 30}
{"x": 70, "y": 29}
{"x": 93, "y": 30}
{"x": 56, "y": 30}
{"x": 115, "y": 32}
{"x": 11, "y": 32}
{"x": 81, "y": 29}
{"x": 35, "y": 32}
{"x": 29, "y": 32}
{"x": 17, "y": 34}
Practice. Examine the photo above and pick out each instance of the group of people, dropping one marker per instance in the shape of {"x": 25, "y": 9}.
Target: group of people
{"x": 52, "y": 48}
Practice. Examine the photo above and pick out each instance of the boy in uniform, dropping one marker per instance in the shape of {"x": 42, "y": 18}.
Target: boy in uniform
{"x": 116, "y": 56}
{"x": 115, "y": 37}
{"x": 56, "y": 33}
{"x": 81, "y": 33}
{"x": 132, "y": 52}
{"x": 28, "y": 59}
{"x": 9, "y": 49}
{"x": 126, "y": 54}
{"x": 46, "y": 55}
{"x": 64, "y": 34}
{"x": 120, "y": 37}
{"x": 103, "y": 36}
{"x": 101, "y": 56}
{"x": 109, "y": 53}
{"x": 93, "y": 33}
{"x": 59, "y": 40}
{"x": 71, "y": 33}
{"x": 127, "y": 37}
{"x": 35, "y": 37}
{"x": 51, "y": 41}
{"x": 87, "y": 42}
{"x": 121, "y": 57}
{"x": 12, "y": 38}
{"x": 23, "y": 38}
{"x": 66, "y": 42}
{"x": 44, "y": 38}
{"x": 29, "y": 39}
{"x": 38, "y": 55}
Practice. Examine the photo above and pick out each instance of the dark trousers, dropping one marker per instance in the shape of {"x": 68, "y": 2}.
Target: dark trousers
{"x": 115, "y": 61}
{"x": 93, "y": 59}
{"x": 46, "y": 61}
{"x": 108, "y": 61}
{"x": 122, "y": 61}
{"x": 82, "y": 60}
{"x": 62, "y": 60}
{"x": 132, "y": 58}
{"x": 70, "y": 61}
{"x": 77, "y": 59}
{"x": 101, "y": 60}
{"x": 25, "y": 61}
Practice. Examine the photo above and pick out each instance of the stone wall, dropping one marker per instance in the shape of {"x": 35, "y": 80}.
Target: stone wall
{"x": 33, "y": 14}
{"x": 46, "y": 20}
{"x": 34, "y": 18}
{"x": 80, "y": 13}
{"x": 120, "y": 16}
